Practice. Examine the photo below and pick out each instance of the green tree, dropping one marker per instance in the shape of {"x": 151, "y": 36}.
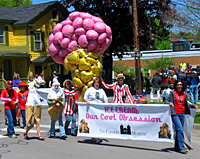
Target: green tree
{"x": 163, "y": 44}
{"x": 118, "y": 15}
{"x": 188, "y": 15}
{"x": 15, "y": 3}
{"x": 119, "y": 67}
{"x": 160, "y": 64}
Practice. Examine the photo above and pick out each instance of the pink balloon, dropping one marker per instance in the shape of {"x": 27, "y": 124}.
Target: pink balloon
{"x": 50, "y": 40}
{"x": 85, "y": 15}
{"x": 108, "y": 31}
{"x": 68, "y": 31}
{"x": 66, "y": 22}
{"x": 100, "y": 27}
{"x": 105, "y": 44}
{"x": 58, "y": 37}
{"x": 74, "y": 37}
{"x": 102, "y": 38}
{"x": 92, "y": 34}
{"x": 80, "y": 31}
{"x": 82, "y": 41}
{"x": 53, "y": 49}
{"x": 97, "y": 19}
{"x": 63, "y": 52}
{"x": 88, "y": 24}
{"x": 72, "y": 46}
{"x": 58, "y": 59}
{"x": 97, "y": 47}
{"x": 101, "y": 51}
{"x": 92, "y": 44}
{"x": 65, "y": 42}
{"x": 73, "y": 15}
{"x": 77, "y": 23}
{"x": 110, "y": 39}
{"x": 57, "y": 28}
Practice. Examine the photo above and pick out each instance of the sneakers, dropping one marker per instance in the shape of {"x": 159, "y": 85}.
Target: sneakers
{"x": 63, "y": 137}
{"x": 13, "y": 136}
{"x": 183, "y": 151}
{"x": 96, "y": 140}
{"x": 73, "y": 134}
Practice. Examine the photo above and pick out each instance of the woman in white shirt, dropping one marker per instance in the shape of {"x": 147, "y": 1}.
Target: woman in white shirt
{"x": 95, "y": 94}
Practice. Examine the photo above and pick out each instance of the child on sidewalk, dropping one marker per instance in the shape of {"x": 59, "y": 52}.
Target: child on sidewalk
{"x": 23, "y": 95}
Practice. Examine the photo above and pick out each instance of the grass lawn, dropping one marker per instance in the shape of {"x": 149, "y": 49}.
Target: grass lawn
{"x": 197, "y": 118}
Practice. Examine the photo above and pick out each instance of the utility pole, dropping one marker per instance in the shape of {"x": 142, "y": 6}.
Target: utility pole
{"x": 137, "y": 46}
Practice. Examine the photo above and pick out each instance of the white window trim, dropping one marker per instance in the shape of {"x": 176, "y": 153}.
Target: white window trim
{"x": 38, "y": 41}
{"x": 3, "y": 35}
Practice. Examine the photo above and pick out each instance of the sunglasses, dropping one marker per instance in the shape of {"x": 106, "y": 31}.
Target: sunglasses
{"x": 179, "y": 84}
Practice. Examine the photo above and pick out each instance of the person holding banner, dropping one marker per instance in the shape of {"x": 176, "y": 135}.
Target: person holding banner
{"x": 33, "y": 110}
{"x": 95, "y": 94}
{"x": 56, "y": 99}
{"x": 121, "y": 90}
{"x": 10, "y": 97}
{"x": 179, "y": 106}
{"x": 70, "y": 106}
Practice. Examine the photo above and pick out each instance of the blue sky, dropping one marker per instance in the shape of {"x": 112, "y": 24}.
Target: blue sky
{"x": 41, "y": 1}
{"x": 174, "y": 29}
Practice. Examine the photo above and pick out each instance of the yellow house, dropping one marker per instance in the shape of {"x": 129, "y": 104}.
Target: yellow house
{"x": 24, "y": 33}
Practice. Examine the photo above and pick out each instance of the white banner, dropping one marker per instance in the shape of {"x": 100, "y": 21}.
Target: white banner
{"x": 188, "y": 124}
{"x": 146, "y": 122}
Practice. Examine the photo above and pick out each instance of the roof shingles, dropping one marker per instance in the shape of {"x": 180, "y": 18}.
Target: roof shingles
{"x": 23, "y": 14}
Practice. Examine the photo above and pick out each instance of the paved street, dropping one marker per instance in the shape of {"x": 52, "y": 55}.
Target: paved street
{"x": 80, "y": 148}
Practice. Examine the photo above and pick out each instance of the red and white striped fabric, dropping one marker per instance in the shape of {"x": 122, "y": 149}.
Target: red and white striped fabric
{"x": 70, "y": 97}
{"x": 119, "y": 92}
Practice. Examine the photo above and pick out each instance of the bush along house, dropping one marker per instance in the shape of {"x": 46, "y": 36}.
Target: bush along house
{"x": 24, "y": 33}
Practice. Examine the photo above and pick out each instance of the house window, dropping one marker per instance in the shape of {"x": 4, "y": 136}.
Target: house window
{"x": 1, "y": 35}
{"x": 38, "y": 41}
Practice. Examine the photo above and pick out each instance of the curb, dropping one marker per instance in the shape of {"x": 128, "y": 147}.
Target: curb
{"x": 196, "y": 126}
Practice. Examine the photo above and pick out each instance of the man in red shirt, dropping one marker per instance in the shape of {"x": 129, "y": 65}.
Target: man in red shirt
{"x": 10, "y": 97}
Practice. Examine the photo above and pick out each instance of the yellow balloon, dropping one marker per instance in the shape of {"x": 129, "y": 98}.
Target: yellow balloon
{"x": 77, "y": 73}
{"x": 91, "y": 60}
{"x": 86, "y": 76}
{"x": 99, "y": 65}
{"x": 89, "y": 84}
{"x": 81, "y": 98}
{"x": 73, "y": 58}
{"x": 84, "y": 65}
{"x": 95, "y": 70}
{"x": 81, "y": 52}
{"x": 73, "y": 67}
{"x": 67, "y": 65}
{"x": 77, "y": 82}
{"x": 93, "y": 55}
{"x": 84, "y": 89}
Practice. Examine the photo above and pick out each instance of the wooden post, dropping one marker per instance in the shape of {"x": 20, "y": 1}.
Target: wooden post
{"x": 137, "y": 46}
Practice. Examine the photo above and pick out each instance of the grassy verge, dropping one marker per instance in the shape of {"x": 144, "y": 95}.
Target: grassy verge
{"x": 197, "y": 118}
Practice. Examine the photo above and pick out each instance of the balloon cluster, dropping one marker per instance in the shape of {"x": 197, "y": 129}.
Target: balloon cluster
{"x": 85, "y": 66}
{"x": 77, "y": 43}
{"x": 80, "y": 29}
